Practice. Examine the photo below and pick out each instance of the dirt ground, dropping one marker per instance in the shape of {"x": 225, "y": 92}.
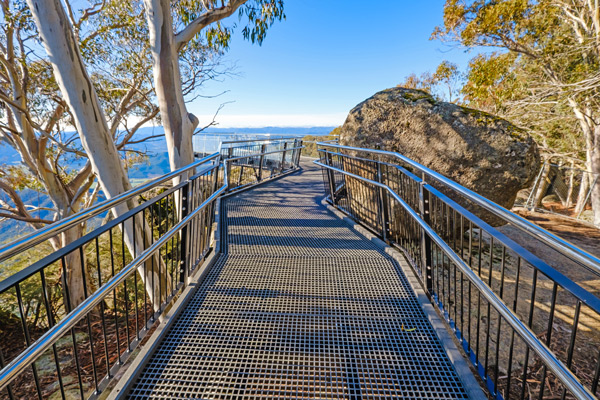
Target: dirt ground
{"x": 587, "y": 343}
{"x": 584, "y": 236}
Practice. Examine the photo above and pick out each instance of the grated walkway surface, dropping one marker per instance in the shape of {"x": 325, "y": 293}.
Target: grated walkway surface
{"x": 299, "y": 306}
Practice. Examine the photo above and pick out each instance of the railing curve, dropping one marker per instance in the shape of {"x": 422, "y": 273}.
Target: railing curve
{"x": 26, "y": 242}
{"x": 498, "y": 298}
{"x": 132, "y": 268}
{"x": 564, "y": 247}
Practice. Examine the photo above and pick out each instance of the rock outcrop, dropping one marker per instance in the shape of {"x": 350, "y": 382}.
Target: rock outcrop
{"x": 480, "y": 151}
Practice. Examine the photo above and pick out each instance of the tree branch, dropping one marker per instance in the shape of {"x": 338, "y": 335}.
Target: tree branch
{"x": 207, "y": 18}
{"x": 29, "y": 220}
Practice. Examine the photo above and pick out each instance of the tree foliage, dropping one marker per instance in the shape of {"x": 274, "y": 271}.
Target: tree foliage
{"x": 545, "y": 73}
{"x": 444, "y": 83}
{"x": 36, "y": 121}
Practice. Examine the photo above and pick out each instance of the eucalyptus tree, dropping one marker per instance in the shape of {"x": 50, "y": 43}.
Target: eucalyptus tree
{"x": 559, "y": 43}
{"x": 47, "y": 95}
{"x": 32, "y": 116}
{"x": 175, "y": 28}
{"x": 445, "y": 83}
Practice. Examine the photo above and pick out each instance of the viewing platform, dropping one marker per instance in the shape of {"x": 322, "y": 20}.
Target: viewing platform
{"x": 255, "y": 273}
{"x": 299, "y": 305}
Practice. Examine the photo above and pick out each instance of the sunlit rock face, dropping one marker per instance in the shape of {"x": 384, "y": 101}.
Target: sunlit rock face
{"x": 480, "y": 151}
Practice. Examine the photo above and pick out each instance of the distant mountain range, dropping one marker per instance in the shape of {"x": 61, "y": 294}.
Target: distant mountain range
{"x": 157, "y": 163}
{"x": 157, "y": 145}
{"x": 292, "y": 131}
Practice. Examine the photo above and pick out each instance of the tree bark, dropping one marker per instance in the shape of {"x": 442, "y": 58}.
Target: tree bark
{"x": 571, "y": 186}
{"x": 542, "y": 187}
{"x": 80, "y": 95}
{"x": 33, "y": 153}
{"x": 591, "y": 131}
{"x": 75, "y": 267}
{"x": 595, "y": 178}
{"x": 178, "y": 123}
{"x": 582, "y": 195}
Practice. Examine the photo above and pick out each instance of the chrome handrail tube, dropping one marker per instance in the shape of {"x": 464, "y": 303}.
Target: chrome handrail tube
{"x": 569, "y": 250}
{"x": 554, "y": 364}
{"x": 30, "y": 355}
{"x": 39, "y": 236}
{"x": 262, "y": 154}
{"x": 259, "y": 140}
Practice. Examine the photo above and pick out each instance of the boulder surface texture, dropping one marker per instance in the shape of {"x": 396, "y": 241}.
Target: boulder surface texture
{"x": 482, "y": 152}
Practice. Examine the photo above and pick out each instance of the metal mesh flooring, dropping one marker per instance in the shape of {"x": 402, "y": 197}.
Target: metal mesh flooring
{"x": 298, "y": 306}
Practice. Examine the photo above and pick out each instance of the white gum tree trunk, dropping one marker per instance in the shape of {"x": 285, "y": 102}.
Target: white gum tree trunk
{"x": 179, "y": 124}
{"x": 591, "y": 131}
{"x": 80, "y": 95}
{"x": 595, "y": 167}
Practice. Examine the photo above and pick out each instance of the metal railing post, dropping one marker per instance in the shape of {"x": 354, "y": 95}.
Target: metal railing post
{"x": 293, "y": 156}
{"x": 424, "y": 211}
{"x": 330, "y": 177}
{"x": 228, "y": 166}
{"x": 283, "y": 157}
{"x": 297, "y": 143}
{"x": 213, "y": 206}
{"x": 185, "y": 245}
{"x": 263, "y": 149}
{"x": 383, "y": 205}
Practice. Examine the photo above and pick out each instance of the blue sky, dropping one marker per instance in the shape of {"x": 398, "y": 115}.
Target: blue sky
{"x": 328, "y": 56}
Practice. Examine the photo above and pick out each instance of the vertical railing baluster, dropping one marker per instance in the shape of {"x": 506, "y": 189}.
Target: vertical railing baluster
{"x": 8, "y": 388}
{"x": 73, "y": 336}
{"x": 549, "y": 335}
{"x": 115, "y": 309}
{"x": 102, "y": 310}
{"x": 50, "y": 325}
{"x": 126, "y": 294}
{"x": 170, "y": 224}
{"x": 263, "y": 149}
{"x": 183, "y": 267}
{"x": 89, "y": 324}
{"x": 424, "y": 203}
{"x": 572, "y": 342}
{"x": 159, "y": 259}
{"x": 283, "y": 157}
{"x": 596, "y": 376}
{"x": 27, "y": 337}
{"x": 512, "y": 335}
{"x": 228, "y": 168}
{"x": 530, "y": 324}
{"x": 144, "y": 246}
{"x": 152, "y": 266}
{"x": 331, "y": 178}
{"x": 136, "y": 252}
{"x": 383, "y": 204}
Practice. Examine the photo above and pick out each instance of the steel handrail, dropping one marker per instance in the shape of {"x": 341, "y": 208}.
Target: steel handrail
{"x": 35, "y": 350}
{"x": 259, "y": 140}
{"x": 562, "y": 246}
{"x": 39, "y": 236}
{"x": 262, "y": 154}
{"x": 570, "y": 381}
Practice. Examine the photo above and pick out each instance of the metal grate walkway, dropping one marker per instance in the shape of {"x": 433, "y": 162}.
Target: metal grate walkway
{"x": 298, "y": 306}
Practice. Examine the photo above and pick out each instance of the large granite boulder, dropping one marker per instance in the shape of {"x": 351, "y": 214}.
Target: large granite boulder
{"x": 485, "y": 153}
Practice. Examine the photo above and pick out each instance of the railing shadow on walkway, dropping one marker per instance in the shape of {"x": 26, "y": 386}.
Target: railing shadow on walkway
{"x": 528, "y": 329}
{"x": 134, "y": 266}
